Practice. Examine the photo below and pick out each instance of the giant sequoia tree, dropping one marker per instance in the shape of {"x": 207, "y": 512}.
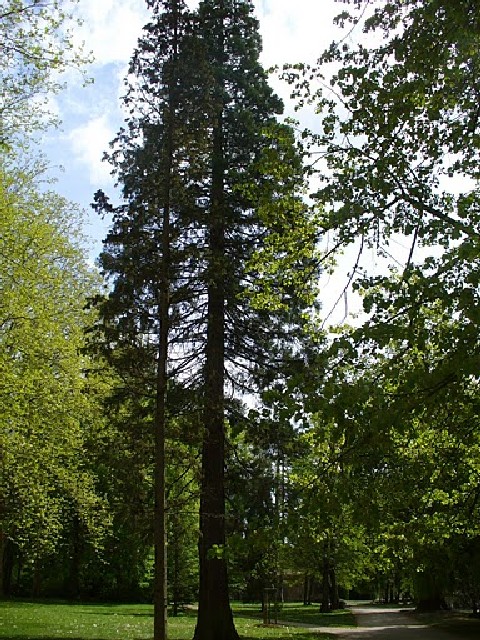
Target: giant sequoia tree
{"x": 237, "y": 229}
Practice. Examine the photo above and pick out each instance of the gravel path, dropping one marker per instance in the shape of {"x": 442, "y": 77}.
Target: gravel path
{"x": 387, "y": 624}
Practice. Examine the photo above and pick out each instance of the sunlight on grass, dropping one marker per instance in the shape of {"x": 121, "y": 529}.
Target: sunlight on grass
{"x": 92, "y": 622}
{"x": 37, "y": 621}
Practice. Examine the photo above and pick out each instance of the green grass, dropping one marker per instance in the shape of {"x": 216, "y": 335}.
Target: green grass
{"x": 78, "y": 621}
{"x": 46, "y": 621}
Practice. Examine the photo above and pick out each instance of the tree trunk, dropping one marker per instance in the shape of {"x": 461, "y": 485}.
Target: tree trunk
{"x": 160, "y": 631}
{"x": 334, "y": 598}
{"x": 176, "y": 602}
{"x": 306, "y": 589}
{"x": 160, "y": 580}
{"x": 475, "y": 608}
{"x": 215, "y": 619}
{"x": 72, "y": 588}
{"x": 176, "y": 568}
{"x": 9, "y": 556}
{"x": 37, "y": 580}
{"x": 325, "y": 606}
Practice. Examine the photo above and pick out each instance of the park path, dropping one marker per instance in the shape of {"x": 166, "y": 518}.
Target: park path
{"x": 387, "y": 624}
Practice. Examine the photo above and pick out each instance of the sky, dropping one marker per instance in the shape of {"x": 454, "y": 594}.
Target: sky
{"x": 91, "y": 115}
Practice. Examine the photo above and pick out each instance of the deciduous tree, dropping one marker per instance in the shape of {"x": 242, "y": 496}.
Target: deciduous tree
{"x": 44, "y": 411}
{"x": 399, "y": 133}
{"x": 36, "y": 46}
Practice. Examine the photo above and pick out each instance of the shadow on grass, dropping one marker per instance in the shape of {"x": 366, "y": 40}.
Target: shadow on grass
{"x": 298, "y": 613}
{"x": 187, "y": 614}
{"x": 79, "y": 621}
{"x": 75, "y": 604}
{"x": 277, "y": 636}
{"x": 288, "y": 636}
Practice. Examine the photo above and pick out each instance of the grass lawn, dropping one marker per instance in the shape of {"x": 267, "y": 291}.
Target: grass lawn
{"x": 46, "y": 621}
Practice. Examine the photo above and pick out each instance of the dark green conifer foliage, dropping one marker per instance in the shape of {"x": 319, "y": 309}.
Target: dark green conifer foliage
{"x": 247, "y": 168}
{"x": 238, "y": 233}
{"x": 146, "y": 160}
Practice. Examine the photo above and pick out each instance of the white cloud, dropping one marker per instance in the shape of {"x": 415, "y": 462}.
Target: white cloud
{"x": 111, "y": 28}
{"x": 295, "y": 31}
{"x": 291, "y": 32}
{"x": 89, "y": 142}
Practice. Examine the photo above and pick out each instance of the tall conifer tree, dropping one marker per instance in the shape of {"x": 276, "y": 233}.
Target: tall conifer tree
{"x": 140, "y": 246}
{"x": 237, "y": 234}
{"x": 252, "y": 161}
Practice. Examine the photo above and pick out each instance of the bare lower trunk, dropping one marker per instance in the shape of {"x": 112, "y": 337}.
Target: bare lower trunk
{"x": 176, "y": 574}
{"x": 334, "y": 598}
{"x": 215, "y": 620}
{"x": 325, "y": 606}
{"x": 72, "y": 588}
{"x": 37, "y": 580}
{"x": 306, "y": 589}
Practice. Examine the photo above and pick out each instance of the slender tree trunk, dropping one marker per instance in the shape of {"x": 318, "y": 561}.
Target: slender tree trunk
{"x": 386, "y": 595}
{"x": 475, "y": 609}
{"x": 160, "y": 631}
{"x": 306, "y": 589}
{"x": 9, "y": 557}
{"x": 325, "y": 606}
{"x": 396, "y": 588}
{"x": 72, "y": 588}
{"x": 160, "y": 581}
{"x": 37, "y": 580}
{"x": 176, "y": 573}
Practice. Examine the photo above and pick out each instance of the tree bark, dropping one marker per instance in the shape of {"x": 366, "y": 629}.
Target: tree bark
{"x": 176, "y": 574}
{"x": 325, "y": 606}
{"x": 72, "y": 588}
{"x": 334, "y": 598}
{"x": 37, "y": 579}
{"x": 215, "y": 618}
{"x": 160, "y": 581}
{"x": 160, "y": 529}
{"x": 306, "y": 589}
{"x": 9, "y": 557}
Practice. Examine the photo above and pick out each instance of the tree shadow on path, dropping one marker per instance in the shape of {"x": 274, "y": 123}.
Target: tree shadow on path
{"x": 394, "y": 624}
